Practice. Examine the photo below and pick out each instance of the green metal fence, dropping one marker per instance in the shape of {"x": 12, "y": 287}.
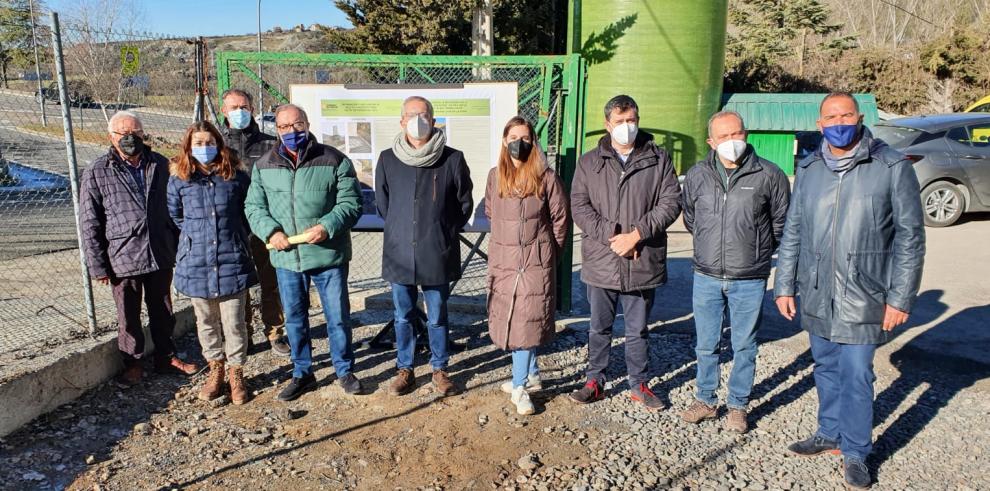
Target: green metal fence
{"x": 551, "y": 95}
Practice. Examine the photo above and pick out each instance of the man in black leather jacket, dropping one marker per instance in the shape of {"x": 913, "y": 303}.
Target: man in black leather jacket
{"x": 853, "y": 247}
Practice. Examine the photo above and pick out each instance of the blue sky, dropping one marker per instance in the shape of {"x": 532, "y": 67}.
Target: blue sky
{"x": 218, "y": 17}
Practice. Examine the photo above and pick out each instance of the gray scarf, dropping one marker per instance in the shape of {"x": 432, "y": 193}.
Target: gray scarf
{"x": 424, "y": 156}
{"x": 843, "y": 163}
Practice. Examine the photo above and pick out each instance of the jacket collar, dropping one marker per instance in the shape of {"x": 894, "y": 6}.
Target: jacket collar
{"x": 750, "y": 161}
{"x": 640, "y": 157}
{"x": 249, "y": 133}
{"x": 870, "y": 147}
{"x": 305, "y": 153}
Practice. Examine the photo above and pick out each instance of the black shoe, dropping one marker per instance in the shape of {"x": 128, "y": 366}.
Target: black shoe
{"x": 297, "y": 387}
{"x": 814, "y": 445}
{"x": 280, "y": 347}
{"x": 856, "y": 473}
{"x": 350, "y": 384}
{"x": 591, "y": 392}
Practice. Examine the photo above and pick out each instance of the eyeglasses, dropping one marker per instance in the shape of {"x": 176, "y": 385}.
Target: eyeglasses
{"x": 298, "y": 126}
{"x": 137, "y": 133}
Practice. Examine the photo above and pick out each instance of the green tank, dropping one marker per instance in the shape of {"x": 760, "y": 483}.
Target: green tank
{"x": 668, "y": 55}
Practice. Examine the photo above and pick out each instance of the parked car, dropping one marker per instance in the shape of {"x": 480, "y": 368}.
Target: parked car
{"x": 980, "y": 106}
{"x": 952, "y": 159}
{"x": 79, "y": 93}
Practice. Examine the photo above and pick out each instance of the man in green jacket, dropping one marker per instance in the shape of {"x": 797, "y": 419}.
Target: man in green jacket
{"x": 304, "y": 188}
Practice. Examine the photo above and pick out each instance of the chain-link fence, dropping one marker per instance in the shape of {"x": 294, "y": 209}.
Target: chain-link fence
{"x": 42, "y": 288}
{"x": 549, "y": 88}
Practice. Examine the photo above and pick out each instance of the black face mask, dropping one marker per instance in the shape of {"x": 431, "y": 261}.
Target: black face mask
{"x": 520, "y": 150}
{"x": 131, "y": 144}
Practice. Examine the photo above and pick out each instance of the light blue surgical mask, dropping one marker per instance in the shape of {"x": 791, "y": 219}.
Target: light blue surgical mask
{"x": 204, "y": 155}
{"x": 239, "y": 119}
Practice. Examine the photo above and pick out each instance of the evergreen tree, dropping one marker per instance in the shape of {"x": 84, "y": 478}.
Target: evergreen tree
{"x": 16, "y": 47}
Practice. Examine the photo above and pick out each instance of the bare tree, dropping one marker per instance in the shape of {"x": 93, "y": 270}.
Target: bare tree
{"x": 93, "y": 34}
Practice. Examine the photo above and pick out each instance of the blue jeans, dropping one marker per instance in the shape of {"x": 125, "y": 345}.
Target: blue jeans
{"x": 523, "y": 365}
{"x": 745, "y": 301}
{"x": 844, "y": 380}
{"x": 331, "y": 285}
{"x": 404, "y": 299}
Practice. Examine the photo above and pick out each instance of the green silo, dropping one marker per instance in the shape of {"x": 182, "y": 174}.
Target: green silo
{"x": 668, "y": 55}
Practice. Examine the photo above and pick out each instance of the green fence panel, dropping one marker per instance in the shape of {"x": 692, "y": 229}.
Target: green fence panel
{"x": 777, "y": 147}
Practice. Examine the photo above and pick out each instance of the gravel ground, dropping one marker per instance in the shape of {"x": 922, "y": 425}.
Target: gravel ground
{"x": 158, "y": 436}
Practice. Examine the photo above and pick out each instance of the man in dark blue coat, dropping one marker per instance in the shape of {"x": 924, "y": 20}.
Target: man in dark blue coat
{"x": 129, "y": 242}
{"x": 423, "y": 191}
{"x": 853, "y": 247}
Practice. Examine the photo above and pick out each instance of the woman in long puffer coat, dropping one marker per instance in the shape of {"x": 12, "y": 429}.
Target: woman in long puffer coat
{"x": 527, "y": 205}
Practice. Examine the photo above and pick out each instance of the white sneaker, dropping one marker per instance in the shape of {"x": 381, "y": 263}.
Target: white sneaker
{"x": 533, "y": 384}
{"x": 521, "y": 399}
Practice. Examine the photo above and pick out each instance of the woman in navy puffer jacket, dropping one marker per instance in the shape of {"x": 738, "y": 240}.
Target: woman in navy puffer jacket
{"x": 206, "y": 194}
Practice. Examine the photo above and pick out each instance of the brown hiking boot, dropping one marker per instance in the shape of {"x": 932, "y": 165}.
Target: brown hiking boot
{"x": 698, "y": 412}
{"x": 442, "y": 383}
{"x": 132, "y": 373}
{"x": 213, "y": 387}
{"x": 172, "y": 364}
{"x": 238, "y": 386}
{"x": 404, "y": 383}
{"x": 736, "y": 421}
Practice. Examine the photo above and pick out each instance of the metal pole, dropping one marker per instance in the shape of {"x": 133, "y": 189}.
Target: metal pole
{"x": 261, "y": 84}
{"x": 198, "y": 107}
{"x": 37, "y": 67}
{"x": 70, "y": 150}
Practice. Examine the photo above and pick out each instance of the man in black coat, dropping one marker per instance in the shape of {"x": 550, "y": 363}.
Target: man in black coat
{"x": 242, "y": 135}
{"x": 854, "y": 248}
{"x": 129, "y": 242}
{"x": 423, "y": 191}
{"x": 735, "y": 204}
{"x": 623, "y": 198}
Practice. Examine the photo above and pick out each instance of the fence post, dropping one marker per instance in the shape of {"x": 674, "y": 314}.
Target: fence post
{"x": 37, "y": 66}
{"x": 70, "y": 150}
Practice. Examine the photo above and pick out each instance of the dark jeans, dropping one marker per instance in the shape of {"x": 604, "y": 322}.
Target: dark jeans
{"x": 404, "y": 299}
{"x": 636, "y": 308}
{"x": 157, "y": 291}
{"x": 844, "y": 380}
{"x": 272, "y": 315}
{"x": 331, "y": 285}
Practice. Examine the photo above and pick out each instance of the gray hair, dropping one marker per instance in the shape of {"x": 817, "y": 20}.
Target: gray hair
{"x": 723, "y": 114}
{"x": 119, "y": 115}
{"x": 243, "y": 93}
{"x": 429, "y": 105}
{"x": 621, "y": 102}
{"x": 286, "y": 107}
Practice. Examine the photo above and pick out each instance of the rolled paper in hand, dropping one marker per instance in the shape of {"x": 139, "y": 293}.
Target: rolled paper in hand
{"x": 294, "y": 240}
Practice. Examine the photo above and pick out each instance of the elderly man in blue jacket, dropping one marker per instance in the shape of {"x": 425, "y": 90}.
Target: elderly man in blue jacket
{"x": 853, "y": 247}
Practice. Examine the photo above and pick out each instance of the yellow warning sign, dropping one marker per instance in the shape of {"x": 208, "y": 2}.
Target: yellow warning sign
{"x": 130, "y": 60}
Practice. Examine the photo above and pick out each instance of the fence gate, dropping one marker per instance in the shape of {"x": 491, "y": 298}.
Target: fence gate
{"x": 551, "y": 95}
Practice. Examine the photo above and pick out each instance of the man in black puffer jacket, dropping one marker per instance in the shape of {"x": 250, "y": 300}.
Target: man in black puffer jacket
{"x": 735, "y": 204}
{"x": 242, "y": 135}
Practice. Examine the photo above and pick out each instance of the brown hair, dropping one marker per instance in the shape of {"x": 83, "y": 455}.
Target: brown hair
{"x": 525, "y": 180}
{"x": 184, "y": 165}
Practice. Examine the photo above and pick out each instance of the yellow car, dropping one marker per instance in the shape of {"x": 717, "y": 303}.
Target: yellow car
{"x": 980, "y": 106}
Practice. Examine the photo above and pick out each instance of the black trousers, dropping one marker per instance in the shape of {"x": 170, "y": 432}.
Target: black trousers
{"x": 156, "y": 289}
{"x": 636, "y": 306}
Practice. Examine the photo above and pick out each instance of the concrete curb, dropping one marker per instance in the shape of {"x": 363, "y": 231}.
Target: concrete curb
{"x": 38, "y": 392}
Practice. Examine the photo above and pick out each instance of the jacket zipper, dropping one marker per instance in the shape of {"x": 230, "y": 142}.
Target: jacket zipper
{"x": 519, "y": 273}
{"x": 835, "y": 218}
{"x": 292, "y": 210}
{"x": 622, "y": 176}
{"x": 434, "y": 186}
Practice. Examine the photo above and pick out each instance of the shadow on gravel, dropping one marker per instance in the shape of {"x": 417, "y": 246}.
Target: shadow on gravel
{"x": 923, "y": 364}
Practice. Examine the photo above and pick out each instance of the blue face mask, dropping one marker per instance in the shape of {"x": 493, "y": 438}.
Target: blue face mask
{"x": 294, "y": 140}
{"x": 239, "y": 119}
{"x": 204, "y": 155}
{"x": 841, "y": 135}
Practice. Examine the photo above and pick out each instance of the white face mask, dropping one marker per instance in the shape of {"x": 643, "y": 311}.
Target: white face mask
{"x": 731, "y": 150}
{"x": 625, "y": 133}
{"x": 419, "y": 128}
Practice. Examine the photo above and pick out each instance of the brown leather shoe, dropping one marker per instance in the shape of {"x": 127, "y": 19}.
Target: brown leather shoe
{"x": 442, "y": 383}
{"x": 173, "y": 364}
{"x": 698, "y": 412}
{"x": 132, "y": 373}
{"x": 736, "y": 421}
{"x": 238, "y": 386}
{"x": 213, "y": 387}
{"x": 404, "y": 382}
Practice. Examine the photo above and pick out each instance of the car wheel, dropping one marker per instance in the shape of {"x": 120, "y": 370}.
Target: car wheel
{"x": 943, "y": 204}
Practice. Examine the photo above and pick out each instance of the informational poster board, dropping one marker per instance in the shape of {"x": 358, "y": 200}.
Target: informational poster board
{"x": 362, "y": 121}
